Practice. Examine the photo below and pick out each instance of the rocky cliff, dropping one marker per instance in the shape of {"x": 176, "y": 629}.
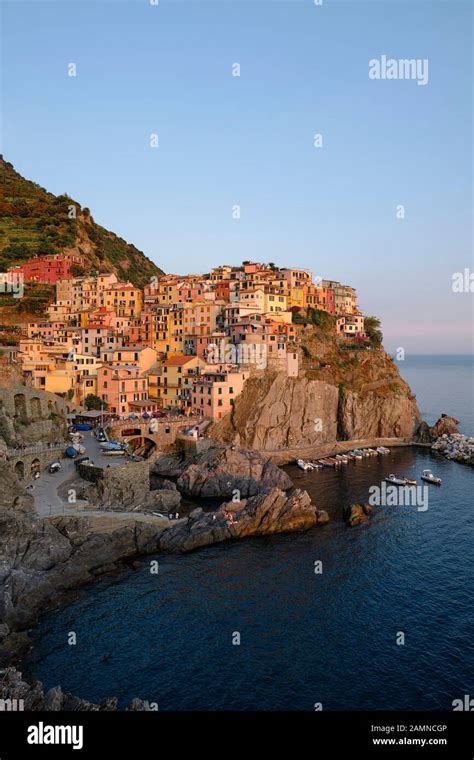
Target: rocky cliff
{"x": 347, "y": 396}
{"x": 220, "y": 471}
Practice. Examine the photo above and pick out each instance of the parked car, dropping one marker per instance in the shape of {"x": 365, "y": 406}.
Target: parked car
{"x": 55, "y": 467}
{"x": 83, "y": 426}
{"x": 82, "y": 460}
{"x": 158, "y": 414}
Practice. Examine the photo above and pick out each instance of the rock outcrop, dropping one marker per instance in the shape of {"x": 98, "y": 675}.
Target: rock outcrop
{"x": 445, "y": 425}
{"x": 33, "y": 697}
{"x": 268, "y": 512}
{"x": 355, "y": 514}
{"x": 12, "y": 494}
{"x": 221, "y": 471}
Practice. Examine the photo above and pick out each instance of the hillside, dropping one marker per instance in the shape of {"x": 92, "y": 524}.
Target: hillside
{"x": 36, "y": 222}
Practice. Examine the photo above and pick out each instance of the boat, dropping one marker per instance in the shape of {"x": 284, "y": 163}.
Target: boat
{"x": 428, "y": 477}
{"x": 357, "y": 454}
{"x": 410, "y": 482}
{"x": 71, "y": 452}
{"x": 341, "y": 459}
{"x": 365, "y": 453}
{"x": 326, "y": 463}
{"x": 395, "y": 481}
{"x": 382, "y": 450}
{"x": 112, "y": 446}
{"x": 372, "y": 452}
{"x": 305, "y": 466}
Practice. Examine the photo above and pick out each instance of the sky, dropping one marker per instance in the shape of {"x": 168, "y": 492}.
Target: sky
{"x": 384, "y": 204}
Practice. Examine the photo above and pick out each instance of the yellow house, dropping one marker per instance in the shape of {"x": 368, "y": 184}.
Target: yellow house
{"x": 123, "y": 298}
{"x": 172, "y": 386}
{"x": 275, "y": 301}
{"x": 142, "y": 357}
{"x": 297, "y": 297}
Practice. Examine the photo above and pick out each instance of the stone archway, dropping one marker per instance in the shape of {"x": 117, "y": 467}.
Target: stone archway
{"x": 35, "y": 408}
{"x": 20, "y": 405}
{"x": 141, "y": 446}
{"x": 20, "y": 470}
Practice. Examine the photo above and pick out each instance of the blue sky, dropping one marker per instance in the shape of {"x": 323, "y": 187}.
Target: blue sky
{"x": 248, "y": 140}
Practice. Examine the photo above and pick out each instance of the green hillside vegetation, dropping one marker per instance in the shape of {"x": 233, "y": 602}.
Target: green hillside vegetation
{"x": 34, "y": 222}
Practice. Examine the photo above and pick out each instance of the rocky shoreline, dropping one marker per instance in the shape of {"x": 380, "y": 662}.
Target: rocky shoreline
{"x": 459, "y": 448}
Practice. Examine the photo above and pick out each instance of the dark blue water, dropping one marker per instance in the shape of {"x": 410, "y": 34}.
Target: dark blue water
{"x": 305, "y": 638}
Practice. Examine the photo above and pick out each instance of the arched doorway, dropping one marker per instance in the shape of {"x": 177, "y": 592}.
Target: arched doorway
{"x": 20, "y": 470}
{"x": 141, "y": 446}
{"x": 20, "y": 405}
{"x": 35, "y": 406}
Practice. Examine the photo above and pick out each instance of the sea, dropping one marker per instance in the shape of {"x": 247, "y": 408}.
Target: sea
{"x": 375, "y": 617}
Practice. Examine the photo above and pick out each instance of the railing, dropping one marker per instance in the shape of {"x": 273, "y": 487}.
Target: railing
{"x": 36, "y": 449}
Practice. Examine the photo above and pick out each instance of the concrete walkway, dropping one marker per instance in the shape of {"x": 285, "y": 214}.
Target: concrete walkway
{"x": 48, "y": 503}
{"x": 318, "y": 451}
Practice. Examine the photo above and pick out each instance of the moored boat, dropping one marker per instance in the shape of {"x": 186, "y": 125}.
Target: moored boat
{"x": 428, "y": 477}
{"x": 395, "y": 481}
{"x": 112, "y": 446}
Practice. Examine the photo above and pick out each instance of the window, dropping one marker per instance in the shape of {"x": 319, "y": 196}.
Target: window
{"x": 219, "y": 403}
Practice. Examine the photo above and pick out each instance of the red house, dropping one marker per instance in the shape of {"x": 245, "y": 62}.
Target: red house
{"x": 48, "y": 269}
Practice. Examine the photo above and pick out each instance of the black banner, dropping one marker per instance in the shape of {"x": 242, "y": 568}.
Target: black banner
{"x": 375, "y": 734}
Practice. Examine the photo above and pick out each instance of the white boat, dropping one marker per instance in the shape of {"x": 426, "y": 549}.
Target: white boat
{"x": 112, "y": 446}
{"x": 428, "y": 477}
{"x": 395, "y": 481}
{"x": 305, "y": 466}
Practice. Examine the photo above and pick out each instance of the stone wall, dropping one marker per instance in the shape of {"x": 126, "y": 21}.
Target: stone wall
{"x": 121, "y": 487}
{"x": 28, "y": 415}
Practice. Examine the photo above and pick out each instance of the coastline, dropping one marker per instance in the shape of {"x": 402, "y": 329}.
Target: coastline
{"x": 286, "y": 456}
